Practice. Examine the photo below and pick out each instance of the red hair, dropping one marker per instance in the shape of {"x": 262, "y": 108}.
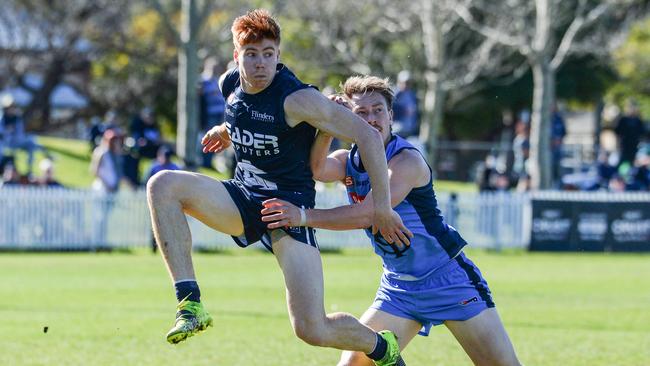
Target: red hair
{"x": 255, "y": 26}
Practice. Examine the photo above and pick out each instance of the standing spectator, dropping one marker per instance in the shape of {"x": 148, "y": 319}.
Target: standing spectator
{"x": 107, "y": 167}
{"x": 100, "y": 126}
{"x": 405, "y": 106}
{"x": 211, "y": 102}
{"x": 146, "y": 133}
{"x": 558, "y": 131}
{"x": 521, "y": 150}
{"x": 629, "y": 129}
{"x": 12, "y": 129}
{"x": 107, "y": 163}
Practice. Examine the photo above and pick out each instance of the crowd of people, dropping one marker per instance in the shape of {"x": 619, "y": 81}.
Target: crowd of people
{"x": 625, "y": 168}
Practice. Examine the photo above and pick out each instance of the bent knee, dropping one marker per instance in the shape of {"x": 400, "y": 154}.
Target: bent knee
{"x": 163, "y": 183}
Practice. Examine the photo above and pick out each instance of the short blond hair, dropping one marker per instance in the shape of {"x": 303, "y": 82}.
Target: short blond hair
{"x": 368, "y": 84}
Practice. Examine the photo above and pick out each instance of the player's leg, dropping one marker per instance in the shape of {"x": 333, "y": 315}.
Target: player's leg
{"x": 405, "y": 329}
{"x": 303, "y": 275}
{"x": 170, "y": 195}
{"x": 485, "y": 339}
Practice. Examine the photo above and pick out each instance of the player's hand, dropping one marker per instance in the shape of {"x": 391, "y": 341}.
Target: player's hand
{"x": 340, "y": 100}
{"x": 390, "y": 226}
{"x": 216, "y": 140}
{"x": 280, "y": 213}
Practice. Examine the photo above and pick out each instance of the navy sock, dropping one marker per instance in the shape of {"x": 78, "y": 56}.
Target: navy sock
{"x": 380, "y": 349}
{"x": 189, "y": 290}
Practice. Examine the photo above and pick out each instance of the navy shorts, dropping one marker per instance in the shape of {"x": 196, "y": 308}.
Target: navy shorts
{"x": 456, "y": 291}
{"x": 250, "y": 205}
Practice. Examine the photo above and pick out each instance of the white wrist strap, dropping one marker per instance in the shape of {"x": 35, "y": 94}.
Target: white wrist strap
{"x": 303, "y": 217}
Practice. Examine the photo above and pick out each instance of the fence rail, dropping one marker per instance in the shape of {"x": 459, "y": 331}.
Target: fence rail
{"x": 60, "y": 219}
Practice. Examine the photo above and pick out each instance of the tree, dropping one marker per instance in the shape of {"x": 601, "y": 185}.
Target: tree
{"x": 48, "y": 38}
{"x": 186, "y": 40}
{"x": 546, "y": 32}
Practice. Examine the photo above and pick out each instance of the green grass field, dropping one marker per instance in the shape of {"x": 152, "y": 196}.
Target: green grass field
{"x": 114, "y": 309}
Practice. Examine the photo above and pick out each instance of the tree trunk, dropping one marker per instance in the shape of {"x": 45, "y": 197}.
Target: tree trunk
{"x": 540, "y": 132}
{"x": 434, "y": 50}
{"x": 38, "y": 110}
{"x": 433, "y": 113}
{"x": 187, "y": 103}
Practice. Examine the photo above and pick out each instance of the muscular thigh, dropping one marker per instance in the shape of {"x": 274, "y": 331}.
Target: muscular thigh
{"x": 207, "y": 200}
{"x": 484, "y": 339}
{"x": 303, "y": 275}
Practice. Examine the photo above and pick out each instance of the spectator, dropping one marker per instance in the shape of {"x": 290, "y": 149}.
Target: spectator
{"x": 12, "y": 129}
{"x": 521, "y": 150}
{"x": 606, "y": 170}
{"x": 10, "y": 176}
{"x": 107, "y": 163}
{"x": 629, "y": 129}
{"x": 163, "y": 162}
{"x": 558, "y": 131}
{"x": 146, "y": 133}
{"x": 405, "y": 107}
{"x": 211, "y": 102}
{"x": 47, "y": 175}
{"x": 100, "y": 126}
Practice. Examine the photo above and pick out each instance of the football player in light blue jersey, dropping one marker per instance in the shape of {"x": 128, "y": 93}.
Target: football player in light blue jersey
{"x": 428, "y": 282}
{"x": 271, "y": 120}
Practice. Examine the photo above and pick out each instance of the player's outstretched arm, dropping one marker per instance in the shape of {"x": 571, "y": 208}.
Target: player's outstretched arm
{"x": 407, "y": 170}
{"x": 312, "y": 107}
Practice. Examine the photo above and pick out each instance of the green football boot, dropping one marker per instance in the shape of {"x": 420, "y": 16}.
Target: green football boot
{"x": 392, "y": 357}
{"x": 191, "y": 318}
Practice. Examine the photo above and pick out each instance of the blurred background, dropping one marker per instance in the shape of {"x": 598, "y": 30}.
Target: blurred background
{"x": 503, "y": 97}
{"x": 532, "y": 113}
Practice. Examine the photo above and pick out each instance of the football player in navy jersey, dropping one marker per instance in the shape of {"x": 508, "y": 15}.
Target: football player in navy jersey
{"x": 426, "y": 283}
{"x": 271, "y": 121}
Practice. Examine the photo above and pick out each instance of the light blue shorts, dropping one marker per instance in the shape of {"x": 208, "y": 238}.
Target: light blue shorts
{"x": 455, "y": 291}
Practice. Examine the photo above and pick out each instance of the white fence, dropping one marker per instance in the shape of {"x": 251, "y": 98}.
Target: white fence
{"x": 32, "y": 218}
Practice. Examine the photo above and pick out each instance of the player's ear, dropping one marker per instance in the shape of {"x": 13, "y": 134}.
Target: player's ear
{"x": 235, "y": 55}
{"x": 278, "y": 55}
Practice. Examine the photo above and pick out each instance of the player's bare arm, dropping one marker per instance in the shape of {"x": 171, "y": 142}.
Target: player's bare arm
{"x": 327, "y": 168}
{"x": 312, "y": 107}
{"x": 407, "y": 170}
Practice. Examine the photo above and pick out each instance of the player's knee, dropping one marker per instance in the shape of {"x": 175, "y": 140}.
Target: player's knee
{"x": 310, "y": 332}
{"x": 161, "y": 184}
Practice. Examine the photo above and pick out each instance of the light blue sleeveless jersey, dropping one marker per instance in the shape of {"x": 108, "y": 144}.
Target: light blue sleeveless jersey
{"x": 434, "y": 243}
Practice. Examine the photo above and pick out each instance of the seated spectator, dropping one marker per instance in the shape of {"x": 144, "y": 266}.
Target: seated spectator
{"x": 10, "y": 176}
{"x": 47, "y": 175}
{"x": 163, "y": 162}
{"x": 12, "y": 129}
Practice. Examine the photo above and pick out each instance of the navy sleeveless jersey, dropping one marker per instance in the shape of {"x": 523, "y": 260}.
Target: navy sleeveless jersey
{"x": 272, "y": 158}
{"x": 434, "y": 243}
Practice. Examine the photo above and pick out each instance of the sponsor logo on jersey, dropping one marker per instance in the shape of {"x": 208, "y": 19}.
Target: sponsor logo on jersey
{"x": 253, "y": 143}
{"x": 260, "y": 116}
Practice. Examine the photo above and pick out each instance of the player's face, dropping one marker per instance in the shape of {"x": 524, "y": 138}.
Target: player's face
{"x": 373, "y": 109}
{"x": 257, "y": 62}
